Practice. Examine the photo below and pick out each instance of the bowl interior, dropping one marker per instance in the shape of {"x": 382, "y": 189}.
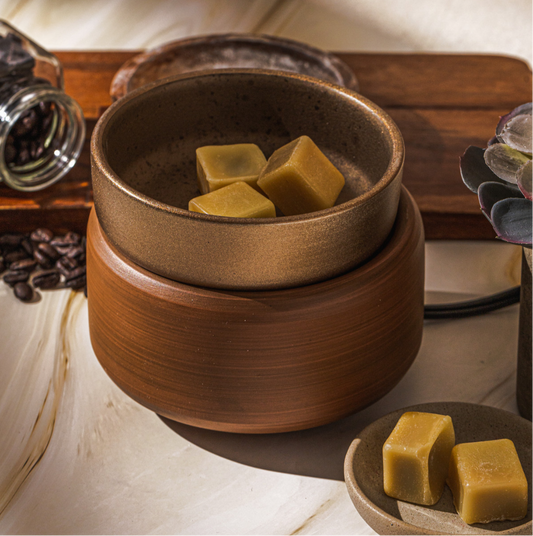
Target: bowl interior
{"x": 150, "y": 141}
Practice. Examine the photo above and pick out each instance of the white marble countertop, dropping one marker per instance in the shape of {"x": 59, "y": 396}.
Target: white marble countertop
{"x": 77, "y": 456}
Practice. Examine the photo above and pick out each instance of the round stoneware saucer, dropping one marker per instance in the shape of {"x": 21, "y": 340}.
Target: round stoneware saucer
{"x": 229, "y": 51}
{"x": 363, "y": 472}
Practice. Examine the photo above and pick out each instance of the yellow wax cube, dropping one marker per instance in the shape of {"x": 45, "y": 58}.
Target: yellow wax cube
{"x": 416, "y": 457}
{"x": 299, "y": 178}
{"x": 220, "y": 165}
{"x": 238, "y": 200}
{"x": 488, "y": 482}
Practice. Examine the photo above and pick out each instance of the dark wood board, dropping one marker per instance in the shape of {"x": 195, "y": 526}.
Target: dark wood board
{"x": 441, "y": 102}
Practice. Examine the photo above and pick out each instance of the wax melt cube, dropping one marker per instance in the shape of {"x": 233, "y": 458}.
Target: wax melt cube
{"x": 487, "y": 481}
{"x": 416, "y": 457}
{"x": 220, "y": 165}
{"x": 299, "y": 178}
{"x": 238, "y": 200}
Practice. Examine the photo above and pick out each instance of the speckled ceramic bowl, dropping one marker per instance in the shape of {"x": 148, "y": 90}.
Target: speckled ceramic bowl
{"x": 144, "y": 174}
{"x": 230, "y": 51}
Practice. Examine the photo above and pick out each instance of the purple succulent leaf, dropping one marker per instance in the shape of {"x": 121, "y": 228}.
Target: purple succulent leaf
{"x": 524, "y": 109}
{"x": 490, "y": 193}
{"x": 504, "y": 161}
{"x": 524, "y": 179}
{"x": 517, "y": 133}
{"x": 493, "y": 140}
{"x": 511, "y": 219}
{"x": 474, "y": 171}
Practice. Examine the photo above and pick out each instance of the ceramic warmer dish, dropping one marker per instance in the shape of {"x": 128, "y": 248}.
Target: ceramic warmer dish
{"x": 259, "y": 361}
{"x": 251, "y": 325}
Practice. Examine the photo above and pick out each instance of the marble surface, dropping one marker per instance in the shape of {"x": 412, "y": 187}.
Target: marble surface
{"x": 80, "y": 457}
{"x": 77, "y": 456}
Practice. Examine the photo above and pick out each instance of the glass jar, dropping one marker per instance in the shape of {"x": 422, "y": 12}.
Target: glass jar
{"x": 42, "y": 129}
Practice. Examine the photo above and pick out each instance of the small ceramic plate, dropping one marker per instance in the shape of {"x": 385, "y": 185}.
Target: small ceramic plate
{"x": 223, "y": 51}
{"x": 363, "y": 472}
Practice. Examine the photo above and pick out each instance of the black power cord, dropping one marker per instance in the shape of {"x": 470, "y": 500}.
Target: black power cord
{"x": 472, "y": 307}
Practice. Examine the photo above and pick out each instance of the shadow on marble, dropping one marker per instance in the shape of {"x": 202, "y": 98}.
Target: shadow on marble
{"x": 317, "y": 452}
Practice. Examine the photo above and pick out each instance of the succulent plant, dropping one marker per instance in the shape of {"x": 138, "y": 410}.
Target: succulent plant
{"x": 501, "y": 176}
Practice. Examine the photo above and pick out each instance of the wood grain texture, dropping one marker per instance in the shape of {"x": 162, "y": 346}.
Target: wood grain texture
{"x": 441, "y": 102}
{"x": 259, "y": 362}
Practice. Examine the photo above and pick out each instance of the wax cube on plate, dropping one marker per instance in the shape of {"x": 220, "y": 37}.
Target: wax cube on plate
{"x": 488, "y": 482}
{"x": 416, "y": 457}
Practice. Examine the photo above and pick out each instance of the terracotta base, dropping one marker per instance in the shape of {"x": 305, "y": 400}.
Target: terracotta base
{"x": 262, "y": 361}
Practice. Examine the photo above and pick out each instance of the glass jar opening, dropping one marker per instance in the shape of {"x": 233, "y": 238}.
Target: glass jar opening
{"x": 42, "y": 132}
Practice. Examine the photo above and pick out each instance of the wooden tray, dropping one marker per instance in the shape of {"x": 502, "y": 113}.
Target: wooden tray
{"x": 441, "y": 102}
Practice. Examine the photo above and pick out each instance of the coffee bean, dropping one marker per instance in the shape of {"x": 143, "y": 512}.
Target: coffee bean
{"x": 46, "y": 279}
{"x": 23, "y": 157}
{"x": 11, "y": 278}
{"x": 14, "y": 256}
{"x": 11, "y": 239}
{"x": 23, "y": 291}
{"x": 27, "y": 246}
{"x": 75, "y": 252}
{"x": 76, "y": 282}
{"x": 70, "y": 239}
{"x": 43, "y": 260}
{"x": 77, "y": 272}
{"x": 10, "y": 153}
{"x": 66, "y": 264}
{"x": 57, "y": 256}
{"x": 42, "y": 235}
{"x": 49, "y": 250}
{"x": 25, "y": 264}
{"x": 62, "y": 250}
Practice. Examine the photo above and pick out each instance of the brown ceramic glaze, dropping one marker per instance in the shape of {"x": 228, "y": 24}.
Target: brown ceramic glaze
{"x": 363, "y": 471}
{"x": 262, "y": 361}
{"x": 144, "y": 174}
{"x": 230, "y": 51}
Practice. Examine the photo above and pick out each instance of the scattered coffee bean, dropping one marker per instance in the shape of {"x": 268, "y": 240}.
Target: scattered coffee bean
{"x": 56, "y": 261}
{"x": 14, "y": 256}
{"x": 70, "y": 239}
{"x": 75, "y": 252}
{"x": 11, "y": 239}
{"x": 46, "y": 279}
{"x": 25, "y": 264}
{"x": 77, "y": 272}
{"x": 76, "y": 282}
{"x": 66, "y": 264}
{"x": 23, "y": 291}
{"x": 49, "y": 250}
{"x": 42, "y": 235}
{"x": 43, "y": 260}
{"x": 27, "y": 246}
{"x": 11, "y": 278}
